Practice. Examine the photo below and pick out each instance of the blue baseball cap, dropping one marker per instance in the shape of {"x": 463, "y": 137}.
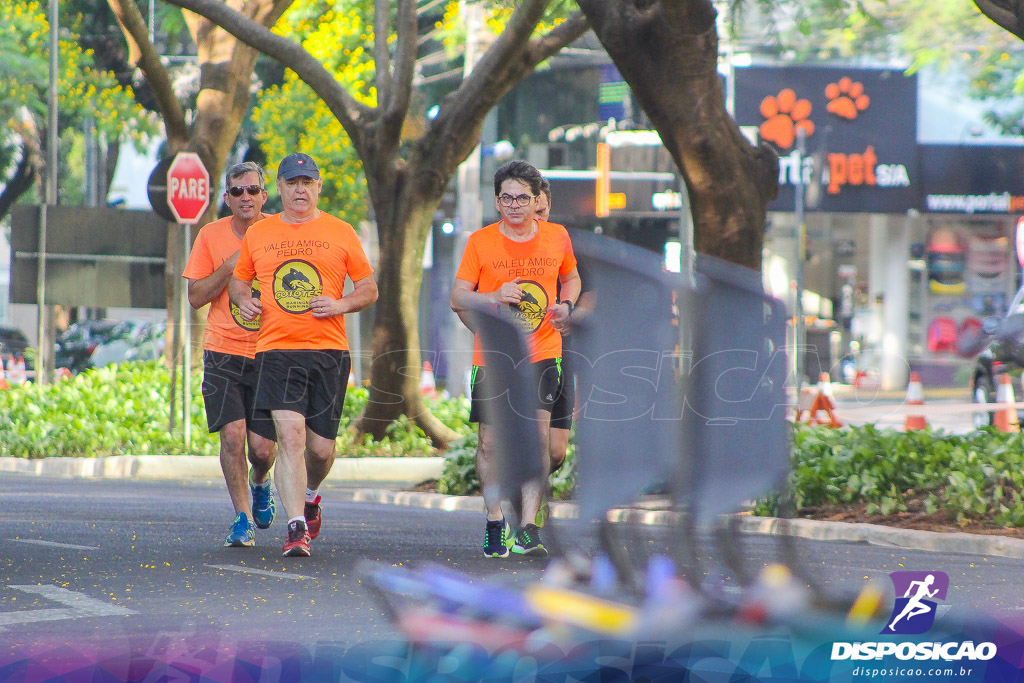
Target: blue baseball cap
{"x": 298, "y": 164}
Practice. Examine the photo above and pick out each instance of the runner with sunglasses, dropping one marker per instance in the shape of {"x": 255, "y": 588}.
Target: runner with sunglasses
{"x": 229, "y": 371}
{"x": 516, "y": 265}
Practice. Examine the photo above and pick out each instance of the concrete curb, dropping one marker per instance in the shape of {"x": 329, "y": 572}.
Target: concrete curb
{"x": 810, "y": 529}
{"x": 396, "y": 470}
{"x": 409, "y": 471}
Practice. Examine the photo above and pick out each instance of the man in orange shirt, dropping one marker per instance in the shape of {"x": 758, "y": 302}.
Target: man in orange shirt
{"x": 229, "y": 343}
{"x": 516, "y": 265}
{"x": 300, "y": 258}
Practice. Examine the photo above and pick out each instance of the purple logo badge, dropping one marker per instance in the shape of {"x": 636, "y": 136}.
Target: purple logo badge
{"x": 914, "y": 610}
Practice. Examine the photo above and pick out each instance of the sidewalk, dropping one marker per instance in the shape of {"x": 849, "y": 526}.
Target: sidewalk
{"x": 375, "y": 480}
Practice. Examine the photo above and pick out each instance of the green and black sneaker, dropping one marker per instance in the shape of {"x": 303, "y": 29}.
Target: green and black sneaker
{"x": 497, "y": 539}
{"x": 528, "y": 542}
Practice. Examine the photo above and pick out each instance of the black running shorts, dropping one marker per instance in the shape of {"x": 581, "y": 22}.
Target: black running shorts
{"x": 565, "y": 402}
{"x": 309, "y": 382}
{"x": 549, "y": 373}
{"x": 229, "y": 393}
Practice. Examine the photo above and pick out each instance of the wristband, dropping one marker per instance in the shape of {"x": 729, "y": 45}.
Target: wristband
{"x": 570, "y": 305}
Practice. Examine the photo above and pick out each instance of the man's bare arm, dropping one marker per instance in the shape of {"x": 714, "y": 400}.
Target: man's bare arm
{"x": 205, "y": 290}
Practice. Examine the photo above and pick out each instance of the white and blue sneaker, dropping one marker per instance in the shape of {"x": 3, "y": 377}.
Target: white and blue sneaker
{"x": 263, "y": 509}
{"x": 243, "y": 534}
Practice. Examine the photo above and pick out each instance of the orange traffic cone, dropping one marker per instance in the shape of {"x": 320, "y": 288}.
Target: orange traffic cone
{"x": 915, "y": 397}
{"x": 427, "y": 386}
{"x": 824, "y": 402}
{"x": 1005, "y": 419}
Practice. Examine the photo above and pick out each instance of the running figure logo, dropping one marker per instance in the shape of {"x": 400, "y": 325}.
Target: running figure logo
{"x": 913, "y": 612}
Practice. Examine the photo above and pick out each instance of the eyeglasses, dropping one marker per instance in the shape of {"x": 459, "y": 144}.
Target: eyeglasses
{"x": 518, "y": 200}
{"x": 253, "y": 190}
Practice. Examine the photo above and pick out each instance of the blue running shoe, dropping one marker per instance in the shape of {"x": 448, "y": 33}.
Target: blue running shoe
{"x": 497, "y": 539}
{"x": 243, "y": 534}
{"x": 263, "y": 509}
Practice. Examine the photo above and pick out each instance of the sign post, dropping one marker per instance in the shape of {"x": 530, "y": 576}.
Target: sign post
{"x": 188, "y": 195}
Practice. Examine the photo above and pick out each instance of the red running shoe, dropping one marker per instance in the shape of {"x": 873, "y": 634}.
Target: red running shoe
{"x": 297, "y": 544}
{"x": 311, "y": 511}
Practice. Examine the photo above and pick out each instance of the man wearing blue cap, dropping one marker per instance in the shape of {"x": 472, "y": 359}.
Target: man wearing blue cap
{"x": 301, "y": 258}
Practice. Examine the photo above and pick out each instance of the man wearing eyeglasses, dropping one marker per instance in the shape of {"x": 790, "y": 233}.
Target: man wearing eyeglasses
{"x": 516, "y": 265}
{"x": 301, "y": 258}
{"x": 229, "y": 371}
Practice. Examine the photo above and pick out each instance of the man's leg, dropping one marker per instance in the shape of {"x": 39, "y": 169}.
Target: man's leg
{"x": 262, "y": 452}
{"x": 319, "y": 461}
{"x": 486, "y": 469}
{"x": 558, "y": 443}
{"x": 533, "y": 490}
{"x": 498, "y": 534}
{"x": 232, "y": 463}
{"x": 290, "y": 466}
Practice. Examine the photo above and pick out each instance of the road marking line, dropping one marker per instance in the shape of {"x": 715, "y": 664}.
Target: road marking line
{"x": 260, "y": 572}
{"x": 56, "y": 544}
{"x": 78, "y": 605}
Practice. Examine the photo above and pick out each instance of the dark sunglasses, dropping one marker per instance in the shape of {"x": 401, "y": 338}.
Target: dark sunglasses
{"x": 253, "y": 190}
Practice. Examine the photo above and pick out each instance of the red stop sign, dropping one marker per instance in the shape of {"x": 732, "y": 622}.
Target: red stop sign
{"x": 188, "y": 187}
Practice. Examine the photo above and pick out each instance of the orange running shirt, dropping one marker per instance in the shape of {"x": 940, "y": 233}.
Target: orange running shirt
{"x": 226, "y": 330}
{"x": 294, "y": 263}
{"x": 491, "y": 259}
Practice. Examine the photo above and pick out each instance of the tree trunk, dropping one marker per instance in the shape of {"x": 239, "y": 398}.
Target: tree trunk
{"x": 396, "y": 359}
{"x": 729, "y": 182}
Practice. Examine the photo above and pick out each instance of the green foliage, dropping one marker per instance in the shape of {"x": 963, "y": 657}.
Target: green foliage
{"x": 83, "y": 89}
{"x": 124, "y": 409}
{"x": 109, "y": 411}
{"x": 460, "y": 478}
{"x": 977, "y": 476}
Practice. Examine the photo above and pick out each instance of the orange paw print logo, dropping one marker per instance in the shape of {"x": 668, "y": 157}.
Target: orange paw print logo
{"x": 784, "y": 114}
{"x": 846, "y": 98}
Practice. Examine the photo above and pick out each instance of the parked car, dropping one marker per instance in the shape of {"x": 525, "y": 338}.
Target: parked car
{"x": 151, "y": 342}
{"x": 13, "y": 341}
{"x": 999, "y": 345}
{"x": 123, "y": 339}
{"x": 75, "y": 346}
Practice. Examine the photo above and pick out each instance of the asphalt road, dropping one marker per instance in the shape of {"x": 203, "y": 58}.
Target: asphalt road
{"x": 128, "y": 559}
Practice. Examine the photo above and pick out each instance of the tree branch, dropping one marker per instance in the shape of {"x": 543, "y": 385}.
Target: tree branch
{"x": 148, "y": 61}
{"x": 506, "y": 62}
{"x": 1005, "y": 14}
{"x": 352, "y": 115}
{"x": 25, "y": 174}
{"x": 548, "y": 45}
{"x": 405, "y": 60}
{"x": 381, "y": 54}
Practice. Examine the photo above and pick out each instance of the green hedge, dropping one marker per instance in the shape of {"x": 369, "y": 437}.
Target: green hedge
{"x": 975, "y": 476}
{"x": 124, "y": 409}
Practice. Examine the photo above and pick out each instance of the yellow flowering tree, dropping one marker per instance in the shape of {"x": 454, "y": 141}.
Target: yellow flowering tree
{"x": 291, "y": 116}
{"x": 407, "y": 160}
{"x": 210, "y": 129}
{"x": 83, "y": 91}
